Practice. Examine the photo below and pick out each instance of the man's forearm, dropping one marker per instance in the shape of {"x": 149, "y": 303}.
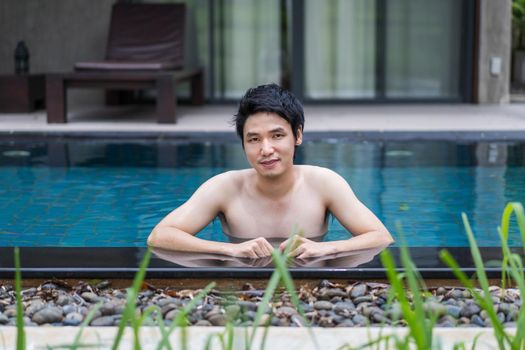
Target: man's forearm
{"x": 174, "y": 239}
{"x": 369, "y": 240}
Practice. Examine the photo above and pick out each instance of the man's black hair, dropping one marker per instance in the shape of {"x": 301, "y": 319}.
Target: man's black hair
{"x": 270, "y": 98}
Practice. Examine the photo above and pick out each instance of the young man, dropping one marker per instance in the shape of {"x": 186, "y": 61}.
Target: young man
{"x": 263, "y": 204}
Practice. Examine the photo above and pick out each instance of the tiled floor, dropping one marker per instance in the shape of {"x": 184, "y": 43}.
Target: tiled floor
{"x": 214, "y": 118}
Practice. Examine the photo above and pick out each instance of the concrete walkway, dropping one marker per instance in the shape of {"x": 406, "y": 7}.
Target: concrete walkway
{"x": 326, "y": 118}
{"x": 278, "y": 337}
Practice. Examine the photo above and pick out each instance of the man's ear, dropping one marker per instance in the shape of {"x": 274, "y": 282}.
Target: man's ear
{"x": 299, "y": 138}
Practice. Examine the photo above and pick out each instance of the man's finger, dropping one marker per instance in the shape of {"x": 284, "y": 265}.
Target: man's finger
{"x": 282, "y": 246}
{"x": 263, "y": 246}
{"x": 257, "y": 250}
{"x": 297, "y": 251}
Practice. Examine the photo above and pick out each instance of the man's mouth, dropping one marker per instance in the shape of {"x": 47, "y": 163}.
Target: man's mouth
{"x": 269, "y": 163}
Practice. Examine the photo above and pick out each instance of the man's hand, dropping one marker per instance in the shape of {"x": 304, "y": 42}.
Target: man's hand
{"x": 305, "y": 248}
{"x": 255, "y": 248}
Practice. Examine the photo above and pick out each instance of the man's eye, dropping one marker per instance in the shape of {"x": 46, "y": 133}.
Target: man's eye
{"x": 278, "y": 136}
{"x": 253, "y": 139}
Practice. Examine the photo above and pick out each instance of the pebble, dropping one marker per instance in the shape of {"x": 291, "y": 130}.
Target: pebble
{"x": 447, "y": 321}
{"x": 48, "y": 286}
{"x": 73, "y": 319}
{"x": 107, "y": 309}
{"x": 103, "y": 321}
{"x": 469, "y": 310}
{"x": 455, "y": 294}
{"x": 285, "y": 311}
{"x": 325, "y": 322}
{"x": 327, "y": 305}
{"x": 172, "y": 314}
{"x": 247, "y": 305}
{"x": 441, "y": 291}
{"x": 35, "y": 306}
{"x": 49, "y": 314}
{"x": 512, "y": 315}
{"x": 363, "y": 299}
{"x": 360, "y": 320}
{"x": 217, "y": 319}
{"x": 453, "y": 310}
{"x": 332, "y": 292}
{"x": 232, "y": 311}
{"x": 435, "y": 308}
{"x": 477, "y": 320}
{"x": 358, "y": 290}
{"x": 90, "y": 297}
{"x": 64, "y": 299}
{"x": 323, "y": 305}
{"x": 395, "y": 312}
{"x": 344, "y": 307}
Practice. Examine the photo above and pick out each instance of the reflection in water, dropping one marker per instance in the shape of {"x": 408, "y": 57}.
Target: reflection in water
{"x": 192, "y": 259}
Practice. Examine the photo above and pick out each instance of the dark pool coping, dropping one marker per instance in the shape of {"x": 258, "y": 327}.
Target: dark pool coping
{"x": 67, "y": 262}
{"x": 371, "y": 135}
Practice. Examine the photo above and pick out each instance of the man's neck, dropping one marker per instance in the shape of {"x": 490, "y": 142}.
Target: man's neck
{"x": 276, "y": 187}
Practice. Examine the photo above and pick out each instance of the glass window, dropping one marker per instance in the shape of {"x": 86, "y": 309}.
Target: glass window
{"x": 340, "y": 54}
{"x": 248, "y": 49}
{"x": 423, "y": 48}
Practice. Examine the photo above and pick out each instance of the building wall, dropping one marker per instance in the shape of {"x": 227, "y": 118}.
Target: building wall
{"x": 494, "y": 42}
{"x": 62, "y": 32}
{"x": 58, "y": 33}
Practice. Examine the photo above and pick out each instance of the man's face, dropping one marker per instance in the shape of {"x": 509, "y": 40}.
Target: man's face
{"x": 269, "y": 143}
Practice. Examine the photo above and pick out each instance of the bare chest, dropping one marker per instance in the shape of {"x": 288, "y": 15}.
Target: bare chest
{"x": 246, "y": 217}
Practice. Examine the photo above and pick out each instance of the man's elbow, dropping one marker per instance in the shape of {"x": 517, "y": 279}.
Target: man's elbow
{"x": 152, "y": 238}
{"x": 387, "y": 239}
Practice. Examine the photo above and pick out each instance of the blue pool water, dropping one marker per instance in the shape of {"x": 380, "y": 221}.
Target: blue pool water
{"x": 112, "y": 193}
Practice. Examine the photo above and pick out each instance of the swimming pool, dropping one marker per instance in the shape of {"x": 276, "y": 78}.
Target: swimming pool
{"x": 75, "y": 192}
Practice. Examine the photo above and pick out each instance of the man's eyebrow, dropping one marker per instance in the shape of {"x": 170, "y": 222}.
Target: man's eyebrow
{"x": 273, "y": 131}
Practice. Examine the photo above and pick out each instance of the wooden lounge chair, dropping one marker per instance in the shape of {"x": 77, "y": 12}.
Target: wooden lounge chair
{"x": 145, "y": 49}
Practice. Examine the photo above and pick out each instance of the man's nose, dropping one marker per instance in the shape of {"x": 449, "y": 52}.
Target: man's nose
{"x": 266, "y": 147}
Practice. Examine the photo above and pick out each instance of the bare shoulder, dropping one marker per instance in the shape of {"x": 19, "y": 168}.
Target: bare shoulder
{"x": 326, "y": 182}
{"x": 316, "y": 175}
{"x": 227, "y": 182}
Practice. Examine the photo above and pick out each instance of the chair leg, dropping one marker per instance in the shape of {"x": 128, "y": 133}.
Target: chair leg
{"x": 56, "y": 99}
{"x": 166, "y": 100}
{"x": 197, "y": 88}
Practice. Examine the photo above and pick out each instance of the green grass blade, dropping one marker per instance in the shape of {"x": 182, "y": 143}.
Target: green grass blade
{"x": 147, "y": 313}
{"x": 263, "y": 304}
{"x": 20, "y": 331}
{"x": 499, "y": 332}
{"x": 264, "y": 337}
{"x": 413, "y": 323}
{"x": 422, "y": 332}
{"x": 209, "y": 339}
{"x": 517, "y": 209}
{"x": 181, "y": 316}
{"x": 131, "y": 299}
{"x": 280, "y": 264}
{"x": 516, "y": 271}
{"x": 76, "y": 341}
{"x": 515, "y": 261}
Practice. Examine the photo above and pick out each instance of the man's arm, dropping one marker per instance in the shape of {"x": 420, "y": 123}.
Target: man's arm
{"x": 177, "y": 230}
{"x": 367, "y": 230}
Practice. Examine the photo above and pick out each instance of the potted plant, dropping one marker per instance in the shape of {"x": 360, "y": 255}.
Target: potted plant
{"x": 518, "y": 41}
